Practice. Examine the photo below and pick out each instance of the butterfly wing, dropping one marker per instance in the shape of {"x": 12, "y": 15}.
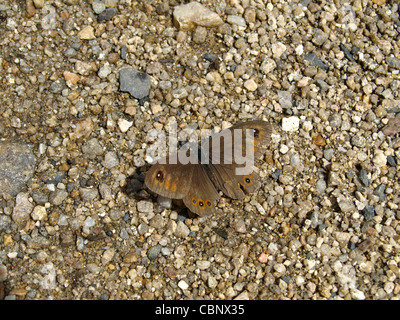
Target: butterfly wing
{"x": 223, "y": 172}
{"x": 202, "y": 194}
{"x": 170, "y": 180}
{"x": 232, "y": 185}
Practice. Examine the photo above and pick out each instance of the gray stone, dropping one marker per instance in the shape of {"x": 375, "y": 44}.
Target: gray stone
{"x": 17, "y": 163}
{"x": 135, "y": 82}
{"x": 107, "y": 14}
{"x": 88, "y": 194}
{"x": 58, "y": 196}
{"x": 92, "y": 148}
{"x": 110, "y": 160}
{"x": 153, "y": 252}
{"x": 369, "y": 213}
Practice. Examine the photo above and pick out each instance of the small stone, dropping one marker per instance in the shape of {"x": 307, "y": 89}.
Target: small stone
{"x": 3, "y": 273}
{"x": 39, "y": 4}
{"x": 278, "y": 49}
{"x": 107, "y": 14}
{"x": 290, "y": 124}
{"x": 203, "y": 264}
{"x": 263, "y": 257}
{"x": 393, "y": 126}
{"x": 124, "y": 125}
{"x": 320, "y": 186}
{"x": 369, "y": 213}
{"x": 319, "y": 37}
{"x": 98, "y": 6}
{"x": 83, "y": 68}
{"x": 250, "y": 85}
{"x": 366, "y": 244}
{"x": 268, "y": 65}
{"x": 392, "y": 161}
{"x": 379, "y": 159}
{"x": 39, "y": 213}
{"x": 17, "y": 163}
{"x": 182, "y": 230}
{"x": 22, "y": 209}
{"x": 87, "y": 33}
{"x": 212, "y": 282}
{"x": 105, "y": 192}
{"x": 380, "y": 192}
{"x": 57, "y": 197}
{"x": 355, "y": 293}
{"x": 187, "y": 16}
{"x": 135, "y": 82}
{"x": 363, "y": 176}
{"x": 345, "y": 205}
{"x": 153, "y": 252}
{"x": 88, "y": 194}
{"x": 183, "y": 285}
{"x": 71, "y": 77}
{"x": 110, "y": 160}
{"x": 83, "y": 128}
{"x": 104, "y": 71}
{"x": 200, "y": 34}
{"x": 319, "y": 141}
{"x": 107, "y": 256}
{"x": 92, "y": 148}
{"x": 285, "y": 99}
{"x": 237, "y": 20}
{"x": 145, "y": 206}
{"x": 240, "y": 226}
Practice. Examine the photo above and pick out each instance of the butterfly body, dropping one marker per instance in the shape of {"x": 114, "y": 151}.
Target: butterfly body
{"x": 197, "y": 182}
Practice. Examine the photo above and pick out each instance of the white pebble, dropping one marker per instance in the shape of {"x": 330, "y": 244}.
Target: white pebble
{"x": 183, "y": 285}
{"x": 284, "y": 148}
{"x": 290, "y": 124}
{"x": 124, "y": 125}
{"x": 379, "y": 159}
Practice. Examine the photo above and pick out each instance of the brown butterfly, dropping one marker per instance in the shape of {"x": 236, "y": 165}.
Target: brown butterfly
{"x": 197, "y": 182}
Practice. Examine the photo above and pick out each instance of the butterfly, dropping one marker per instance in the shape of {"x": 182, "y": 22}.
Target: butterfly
{"x": 213, "y": 167}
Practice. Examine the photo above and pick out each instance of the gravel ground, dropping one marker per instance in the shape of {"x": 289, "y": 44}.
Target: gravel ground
{"x": 82, "y": 84}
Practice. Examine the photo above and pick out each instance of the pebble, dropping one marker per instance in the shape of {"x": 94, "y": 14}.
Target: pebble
{"x": 369, "y": 213}
{"x": 145, "y": 206}
{"x": 183, "y": 285}
{"x": 110, "y": 160}
{"x": 87, "y": 33}
{"x": 182, "y": 230}
{"x": 135, "y": 82}
{"x": 379, "y": 159}
{"x": 23, "y": 208}
{"x": 17, "y": 163}
{"x": 57, "y": 197}
{"x": 88, "y": 194}
{"x": 203, "y": 264}
{"x": 237, "y": 20}
{"x": 98, "y": 6}
{"x": 153, "y": 252}
{"x": 107, "y": 256}
{"x": 124, "y": 125}
{"x": 187, "y": 16}
{"x": 290, "y": 124}
{"x": 106, "y": 14}
{"x": 104, "y": 71}
{"x": 250, "y": 85}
